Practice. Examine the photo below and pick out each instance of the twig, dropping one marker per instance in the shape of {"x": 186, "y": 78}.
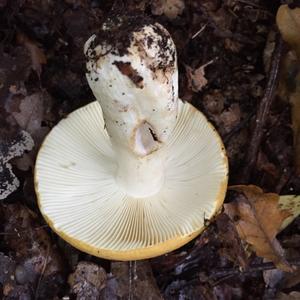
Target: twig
{"x": 199, "y": 31}
{"x": 262, "y": 112}
{"x": 225, "y": 272}
{"x": 36, "y": 296}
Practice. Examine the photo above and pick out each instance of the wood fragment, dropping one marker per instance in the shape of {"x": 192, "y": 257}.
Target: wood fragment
{"x": 225, "y": 272}
{"x": 262, "y": 113}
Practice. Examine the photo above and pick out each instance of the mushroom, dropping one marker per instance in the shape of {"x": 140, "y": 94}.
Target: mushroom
{"x": 136, "y": 173}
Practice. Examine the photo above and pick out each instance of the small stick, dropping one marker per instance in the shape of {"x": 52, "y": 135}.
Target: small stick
{"x": 263, "y": 111}
{"x": 36, "y": 296}
{"x": 224, "y": 272}
{"x": 199, "y": 31}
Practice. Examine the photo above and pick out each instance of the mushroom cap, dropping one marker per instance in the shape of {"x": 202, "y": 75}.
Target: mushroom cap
{"x": 81, "y": 201}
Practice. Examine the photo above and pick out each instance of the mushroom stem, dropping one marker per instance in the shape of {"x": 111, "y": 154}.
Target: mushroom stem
{"x": 136, "y": 83}
{"x": 140, "y": 176}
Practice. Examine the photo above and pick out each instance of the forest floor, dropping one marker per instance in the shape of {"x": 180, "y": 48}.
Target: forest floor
{"x": 229, "y": 58}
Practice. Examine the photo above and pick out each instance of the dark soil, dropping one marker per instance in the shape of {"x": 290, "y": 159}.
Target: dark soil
{"x": 42, "y": 66}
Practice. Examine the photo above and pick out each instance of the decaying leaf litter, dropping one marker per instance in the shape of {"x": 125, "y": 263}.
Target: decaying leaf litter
{"x": 235, "y": 68}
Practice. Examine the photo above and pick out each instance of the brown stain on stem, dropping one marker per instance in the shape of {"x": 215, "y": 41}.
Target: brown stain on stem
{"x": 126, "y": 69}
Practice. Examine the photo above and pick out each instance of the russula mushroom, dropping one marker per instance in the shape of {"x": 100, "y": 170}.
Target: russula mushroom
{"x": 134, "y": 174}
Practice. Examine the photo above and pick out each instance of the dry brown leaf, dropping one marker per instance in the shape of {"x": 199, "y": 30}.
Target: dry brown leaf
{"x": 258, "y": 219}
{"x": 170, "y": 8}
{"x": 30, "y": 114}
{"x": 38, "y": 58}
{"x": 196, "y": 78}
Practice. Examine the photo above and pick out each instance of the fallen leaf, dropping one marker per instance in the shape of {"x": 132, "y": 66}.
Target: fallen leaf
{"x": 196, "y": 78}
{"x": 29, "y": 112}
{"x": 291, "y": 204}
{"x": 278, "y": 280}
{"x": 37, "y": 55}
{"x": 11, "y": 147}
{"x": 170, "y": 8}
{"x": 258, "y": 219}
{"x": 87, "y": 281}
{"x": 231, "y": 246}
